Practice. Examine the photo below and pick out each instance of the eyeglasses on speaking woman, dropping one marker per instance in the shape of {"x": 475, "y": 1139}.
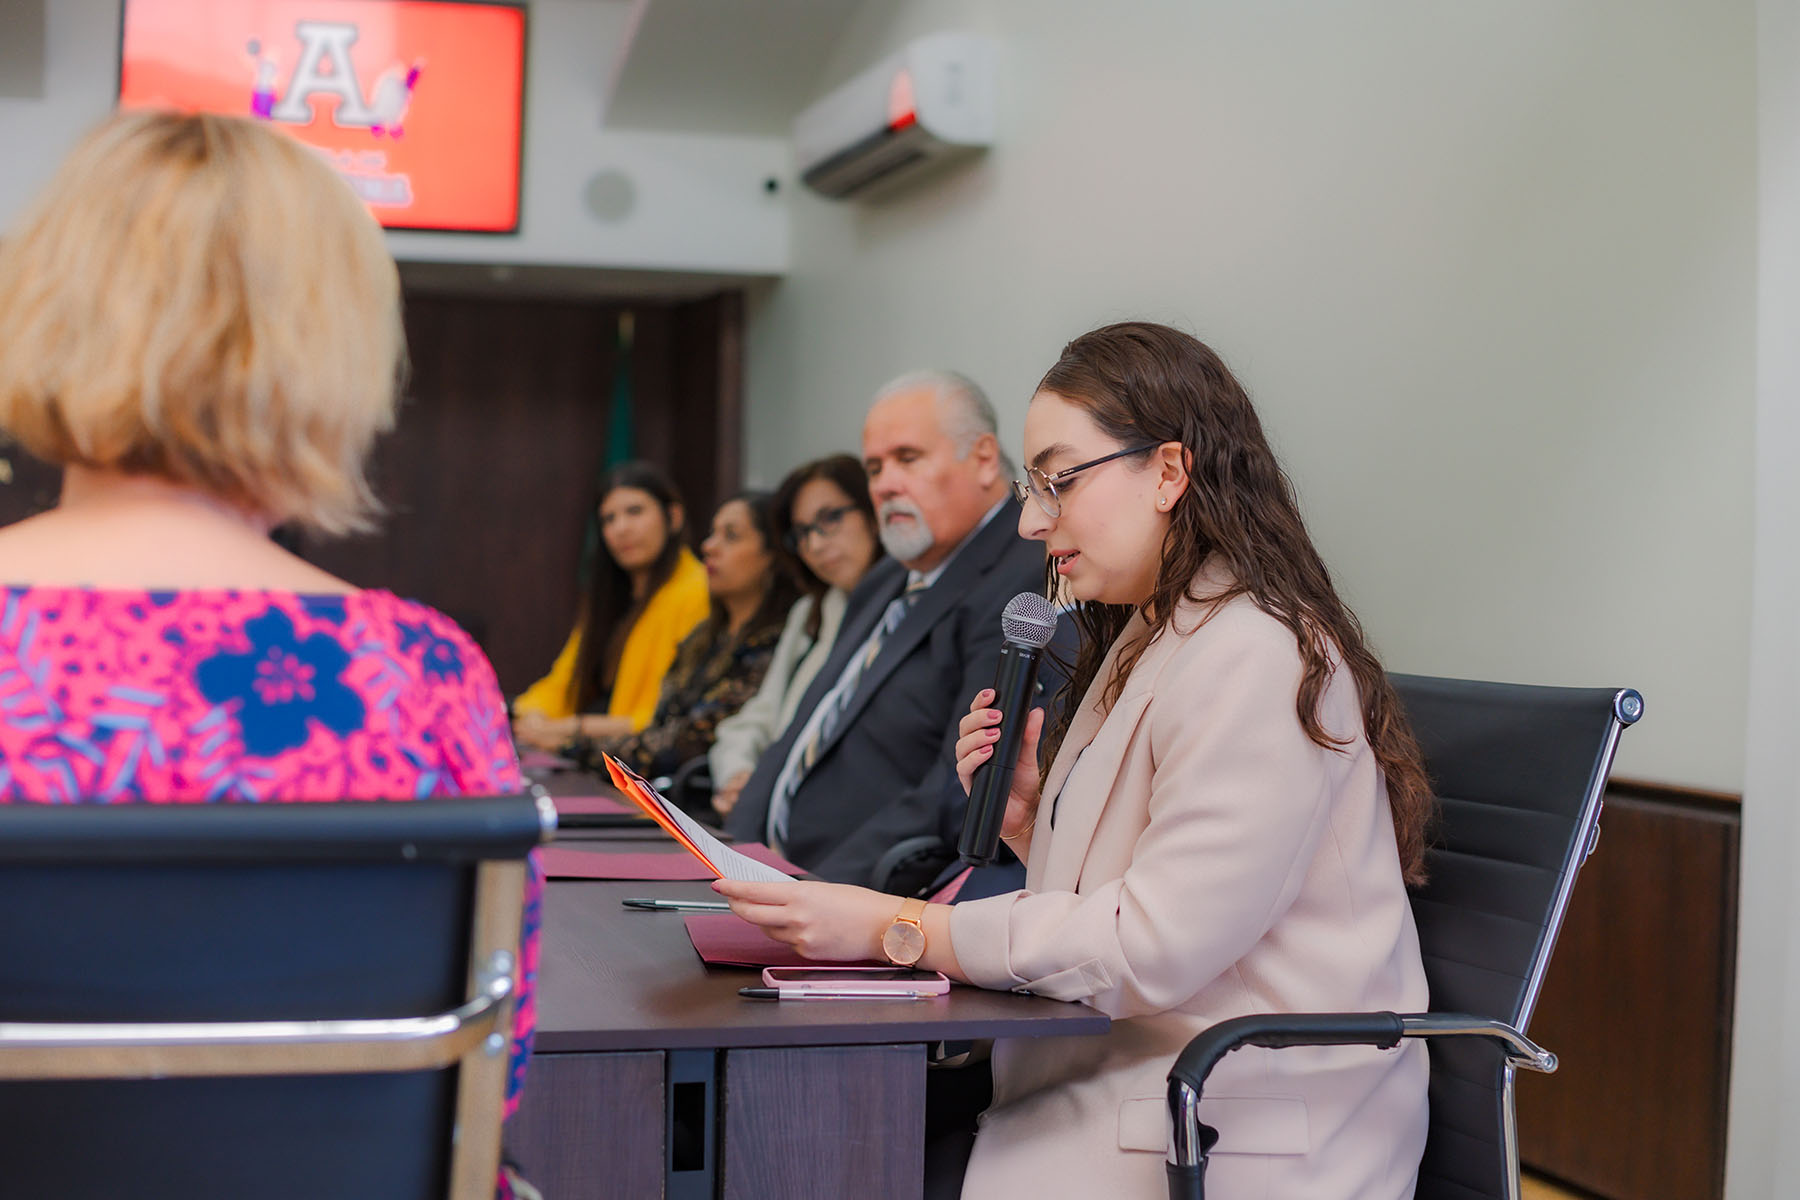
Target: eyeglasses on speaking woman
{"x": 1042, "y": 488}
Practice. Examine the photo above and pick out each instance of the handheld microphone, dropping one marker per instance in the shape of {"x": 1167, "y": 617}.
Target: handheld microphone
{"x": 1028, "y": 624}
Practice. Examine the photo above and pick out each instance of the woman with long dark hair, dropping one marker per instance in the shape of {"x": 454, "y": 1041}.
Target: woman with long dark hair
{"x": 825, "y": 527}
{"x": 646, "y": 594}
{"x": 1231, "y": 811}
{"x": 722, "y": 662}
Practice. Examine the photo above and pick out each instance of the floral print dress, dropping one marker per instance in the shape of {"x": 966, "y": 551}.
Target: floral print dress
{"x": 183, "y": 697}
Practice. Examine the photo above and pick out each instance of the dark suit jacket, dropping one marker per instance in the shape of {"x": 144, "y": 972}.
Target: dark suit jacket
{"x": 889, "y": 772}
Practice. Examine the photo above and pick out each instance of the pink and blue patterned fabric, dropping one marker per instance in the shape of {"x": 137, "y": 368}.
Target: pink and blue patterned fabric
{"x": 185, "y": 697}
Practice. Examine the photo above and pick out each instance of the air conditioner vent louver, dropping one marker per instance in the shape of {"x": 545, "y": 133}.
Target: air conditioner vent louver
{"x": 852, "y": 140}
{"x": 868, "y": 162}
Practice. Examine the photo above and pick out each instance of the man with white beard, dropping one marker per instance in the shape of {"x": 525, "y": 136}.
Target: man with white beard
{"x": 868, "y": 760}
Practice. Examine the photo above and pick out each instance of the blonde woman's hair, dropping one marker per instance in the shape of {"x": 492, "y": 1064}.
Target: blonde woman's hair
{"x": 202, "y": 299}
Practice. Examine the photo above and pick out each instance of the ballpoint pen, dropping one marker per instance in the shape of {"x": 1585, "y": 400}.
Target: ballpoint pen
{"x": 769, "y": 993}
{"x": 677, "y": 905}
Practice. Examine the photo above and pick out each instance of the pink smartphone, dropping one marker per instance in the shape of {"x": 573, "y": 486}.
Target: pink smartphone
{"x": 799, "y": 982}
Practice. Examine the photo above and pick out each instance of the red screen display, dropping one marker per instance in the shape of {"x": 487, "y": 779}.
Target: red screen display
{"x": 417, "y": 103}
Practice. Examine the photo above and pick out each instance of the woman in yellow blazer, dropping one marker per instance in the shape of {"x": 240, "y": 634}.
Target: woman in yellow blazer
{"x": 648, "y": 593}
{"x": 1230, "y": 815}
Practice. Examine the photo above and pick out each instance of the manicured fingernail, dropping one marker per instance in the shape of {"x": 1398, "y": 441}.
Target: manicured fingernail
{"x": 992, "y": 733}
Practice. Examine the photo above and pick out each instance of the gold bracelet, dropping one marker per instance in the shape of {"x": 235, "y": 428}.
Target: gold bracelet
{"x": 1006, "y": 837}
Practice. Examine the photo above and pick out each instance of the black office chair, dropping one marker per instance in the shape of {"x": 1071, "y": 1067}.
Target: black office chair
{"x": 690, "y": 788}
{"x": 1519, "y": 772}
{"x": 912, "y": 865}
{"x": 285, "y": 1001}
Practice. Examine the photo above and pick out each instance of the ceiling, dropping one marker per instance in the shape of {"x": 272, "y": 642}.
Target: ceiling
{"x": 742, "y": 67}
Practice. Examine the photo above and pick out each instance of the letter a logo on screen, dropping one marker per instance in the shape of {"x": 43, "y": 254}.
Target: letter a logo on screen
{"x": 325, "y": 69}
{"x": 344, "y": 78}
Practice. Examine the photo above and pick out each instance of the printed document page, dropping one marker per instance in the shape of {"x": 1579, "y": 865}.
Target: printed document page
{"x": 721, "y": 859}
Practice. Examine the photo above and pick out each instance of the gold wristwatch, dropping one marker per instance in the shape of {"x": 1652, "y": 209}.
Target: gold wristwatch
{"x": 904, "y": 941}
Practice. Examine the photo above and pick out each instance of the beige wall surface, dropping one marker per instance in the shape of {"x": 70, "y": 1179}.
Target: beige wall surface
{"x": 1763, "y": 1157}
{"x": 700, "y": 204}
{"x": 1488, "y": 269}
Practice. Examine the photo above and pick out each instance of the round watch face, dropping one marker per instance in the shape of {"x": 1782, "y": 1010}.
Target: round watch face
{"x": 903, "y": 943}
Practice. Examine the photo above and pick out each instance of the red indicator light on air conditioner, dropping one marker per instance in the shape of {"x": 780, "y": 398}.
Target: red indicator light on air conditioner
{"x": 900, "y": 110}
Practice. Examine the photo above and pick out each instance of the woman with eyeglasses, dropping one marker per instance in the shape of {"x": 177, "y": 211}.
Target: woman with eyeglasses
{"x": 1227, "y": 823}
{"x": 826, "y": 526}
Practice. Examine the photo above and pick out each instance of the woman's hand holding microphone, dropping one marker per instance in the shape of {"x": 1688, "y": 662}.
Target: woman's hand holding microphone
{"x": 975, "y": 745}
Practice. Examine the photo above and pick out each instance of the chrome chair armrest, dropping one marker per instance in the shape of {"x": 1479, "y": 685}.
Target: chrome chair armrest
{"x": 1191, "y": 1140}
{"x": 1521, "y": 1050}
{"x": 126, "y": 1050}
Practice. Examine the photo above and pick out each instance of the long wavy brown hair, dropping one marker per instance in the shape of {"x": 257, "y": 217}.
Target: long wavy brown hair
{"x": 1141, "y": 382}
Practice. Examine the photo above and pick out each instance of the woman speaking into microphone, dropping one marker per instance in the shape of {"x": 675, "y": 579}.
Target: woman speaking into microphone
{"x": 1227, "y": 824}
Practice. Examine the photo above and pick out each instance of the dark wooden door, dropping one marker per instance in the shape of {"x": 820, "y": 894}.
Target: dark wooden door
{"x": 27, "y": 486}
{"x": 489, "y": 478}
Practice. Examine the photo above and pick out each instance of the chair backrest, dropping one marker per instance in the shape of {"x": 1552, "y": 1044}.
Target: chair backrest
{"x": 150, "y": 913}
{"x": 1519, "y": 772}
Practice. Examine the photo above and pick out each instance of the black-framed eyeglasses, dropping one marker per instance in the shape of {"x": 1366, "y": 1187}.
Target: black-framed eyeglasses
{"x": 824, "y": 524}
{"x": 1041, "y": 487}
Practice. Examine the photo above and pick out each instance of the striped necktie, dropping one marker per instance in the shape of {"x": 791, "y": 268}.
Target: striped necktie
{"x": 823, "y": 723}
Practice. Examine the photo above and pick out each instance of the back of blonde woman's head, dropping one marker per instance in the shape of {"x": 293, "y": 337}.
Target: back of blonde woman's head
{"x": 202, "y": 299}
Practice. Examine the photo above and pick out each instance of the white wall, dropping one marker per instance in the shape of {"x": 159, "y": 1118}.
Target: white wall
{"x": 700, "y": 202}
{"x": 1488, "y": 268}
{"x": 81, "y": 65}
{"x": 1764, "y": 1156}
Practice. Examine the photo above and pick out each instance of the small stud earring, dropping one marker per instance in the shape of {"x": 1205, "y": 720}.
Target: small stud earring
{"x": 1162, "y": 502}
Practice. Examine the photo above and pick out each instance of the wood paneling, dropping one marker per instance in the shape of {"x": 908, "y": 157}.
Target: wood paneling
{"x": 27, "y": 486}
{"x": 828, "y": 1121}
{"x": 591, "y": 1125}
{"x": 1637, "y": 1005}
{"x": 490, "y": 476}
{"x": 708, "y": 388}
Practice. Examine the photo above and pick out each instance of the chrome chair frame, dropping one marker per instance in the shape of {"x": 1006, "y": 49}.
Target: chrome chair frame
{"x": 1192, "y": 1141}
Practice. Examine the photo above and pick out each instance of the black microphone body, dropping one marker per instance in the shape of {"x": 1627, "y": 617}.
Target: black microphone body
{"x": 1014, "y": 685}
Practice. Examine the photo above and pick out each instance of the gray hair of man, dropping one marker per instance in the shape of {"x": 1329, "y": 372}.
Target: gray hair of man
{"x": 967, "y": 412}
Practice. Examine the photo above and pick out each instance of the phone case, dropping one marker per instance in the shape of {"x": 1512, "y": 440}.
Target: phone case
{"x": 853, "y": 979}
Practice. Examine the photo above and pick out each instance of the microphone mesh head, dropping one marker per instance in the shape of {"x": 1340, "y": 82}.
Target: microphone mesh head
{"x": 1029, "y": 620}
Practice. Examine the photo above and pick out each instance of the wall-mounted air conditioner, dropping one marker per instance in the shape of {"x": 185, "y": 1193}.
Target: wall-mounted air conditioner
{"x": 932, "y": 101}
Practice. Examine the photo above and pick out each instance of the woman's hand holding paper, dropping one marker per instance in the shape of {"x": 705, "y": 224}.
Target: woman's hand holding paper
{"x": 829, "y": 922}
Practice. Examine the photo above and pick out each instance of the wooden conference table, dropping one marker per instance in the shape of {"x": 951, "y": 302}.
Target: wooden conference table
{"x": 653, "y": 1077}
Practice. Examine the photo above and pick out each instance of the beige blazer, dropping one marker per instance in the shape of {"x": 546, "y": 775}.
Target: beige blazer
{"x": 1196, "y": 858}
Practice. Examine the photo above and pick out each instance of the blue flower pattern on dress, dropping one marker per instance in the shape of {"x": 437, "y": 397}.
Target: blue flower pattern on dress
{"x": 119, "y": 696}
{"x": 441, "y": 657}
{"x": 280, "y": 684}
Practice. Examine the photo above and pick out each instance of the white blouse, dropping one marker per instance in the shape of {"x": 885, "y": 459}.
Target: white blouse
{"x": 741, "y": 738}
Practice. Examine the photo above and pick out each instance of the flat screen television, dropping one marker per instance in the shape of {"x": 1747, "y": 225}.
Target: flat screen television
{"x": 419, "y": 104}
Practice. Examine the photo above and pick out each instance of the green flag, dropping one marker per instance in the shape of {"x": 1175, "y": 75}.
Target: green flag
{"x": 620, "y": 439}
